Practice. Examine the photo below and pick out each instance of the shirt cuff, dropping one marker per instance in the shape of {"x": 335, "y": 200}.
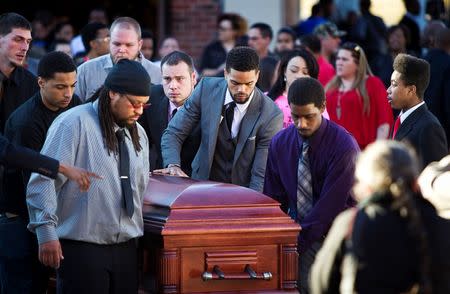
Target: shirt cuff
{"x": 173, "y": 164}
{"x": 46, "y": 233}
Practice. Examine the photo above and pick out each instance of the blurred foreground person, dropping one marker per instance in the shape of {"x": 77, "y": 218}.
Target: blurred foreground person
{"x": 434, "y": 183}
{"x": 382, "y": 246}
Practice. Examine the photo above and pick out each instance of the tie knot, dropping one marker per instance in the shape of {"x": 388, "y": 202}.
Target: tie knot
{"x": 120, "y": 134}
{"x": 231, "y": 105}
{"x": 305, "y": 148}
{"x": 174, "y": 112}
{"x": 305, "y": 145}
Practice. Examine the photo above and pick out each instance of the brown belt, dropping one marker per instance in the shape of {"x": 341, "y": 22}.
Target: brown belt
{"x": 8, "y": 215}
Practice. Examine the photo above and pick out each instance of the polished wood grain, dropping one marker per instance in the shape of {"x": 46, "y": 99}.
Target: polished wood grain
{"x": 195, "y": 227}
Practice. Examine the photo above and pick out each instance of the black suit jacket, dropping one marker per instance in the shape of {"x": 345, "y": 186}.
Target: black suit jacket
{"x": 437, "y": 95}
{"x": 424, "y": 132}
{"x": 155, "y": 121}
{"x": 20, "y": 157}
{"x": 414, "y": 30}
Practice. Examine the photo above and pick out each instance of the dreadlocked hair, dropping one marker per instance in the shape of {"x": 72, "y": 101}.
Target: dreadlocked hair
{"x": 107, "y": 122}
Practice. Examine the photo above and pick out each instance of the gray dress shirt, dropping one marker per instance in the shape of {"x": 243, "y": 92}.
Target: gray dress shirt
{"x": 92, "y": 74}
{"x": 58, "y": 209}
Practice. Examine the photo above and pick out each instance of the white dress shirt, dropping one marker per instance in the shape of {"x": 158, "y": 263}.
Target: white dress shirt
{"x": 239, "y": 111}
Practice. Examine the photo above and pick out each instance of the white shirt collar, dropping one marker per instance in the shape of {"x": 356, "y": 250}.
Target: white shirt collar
{"x": 242, "y": 107}
{"x": 404, "y": 115}
{"x": 172, "y": 106}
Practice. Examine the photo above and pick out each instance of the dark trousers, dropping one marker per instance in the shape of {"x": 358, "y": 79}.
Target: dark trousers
{"x": 305, "y": 262}
{"x": 100, "y": 269}
{"x": 20, "y": 269}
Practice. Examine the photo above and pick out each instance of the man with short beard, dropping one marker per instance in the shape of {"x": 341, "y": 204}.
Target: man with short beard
{"x": 90, "y": 237}
{"x": 125, "y": 43}
{"x": 27, "y": 127}
{"x": 237, "y": 122}
{"x": 310, "y": 170}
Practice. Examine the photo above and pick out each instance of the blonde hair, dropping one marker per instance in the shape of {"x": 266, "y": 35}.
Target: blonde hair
{"x": 362, "y": 72}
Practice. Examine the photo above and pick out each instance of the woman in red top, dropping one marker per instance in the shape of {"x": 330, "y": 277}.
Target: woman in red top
{"x": 356, "y": 99}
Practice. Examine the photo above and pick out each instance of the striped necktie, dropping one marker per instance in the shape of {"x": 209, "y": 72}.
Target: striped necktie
{"x": 304, "y": 184}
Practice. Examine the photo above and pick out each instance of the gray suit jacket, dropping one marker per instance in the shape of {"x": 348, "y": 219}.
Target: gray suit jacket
{"x": 261, "y": 122}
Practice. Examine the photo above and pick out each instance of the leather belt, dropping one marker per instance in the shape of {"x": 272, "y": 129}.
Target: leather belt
{"x": 8, "y": 215}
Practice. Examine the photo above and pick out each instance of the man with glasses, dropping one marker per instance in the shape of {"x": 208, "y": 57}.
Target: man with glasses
{"x": 95, "y": 37}
{"x": 90, "y": 237}
{"x": 125, "y": 43}
{"x": 259, "y": 38}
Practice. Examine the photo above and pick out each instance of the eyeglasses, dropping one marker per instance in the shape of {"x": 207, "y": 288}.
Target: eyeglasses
{"x": 254, "y": 38}
{"x": 105, "y": 39}
{"x": 224, "y": 28}
{"x": 135, "y": 104}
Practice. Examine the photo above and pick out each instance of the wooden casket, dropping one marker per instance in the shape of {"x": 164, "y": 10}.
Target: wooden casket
{"x": 203, "y": 237}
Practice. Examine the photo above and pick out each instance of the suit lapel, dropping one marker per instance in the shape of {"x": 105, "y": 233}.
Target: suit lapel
{"x": 214, "y": 115}
{"x": 160, "y": 110}
{"x": 247, "y": 124}
{"x": 409, "y": 122}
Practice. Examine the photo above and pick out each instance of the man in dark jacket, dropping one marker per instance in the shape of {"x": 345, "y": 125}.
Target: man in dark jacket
{"x": 415, "y": 123}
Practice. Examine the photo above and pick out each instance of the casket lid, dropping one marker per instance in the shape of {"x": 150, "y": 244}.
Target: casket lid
{"x": 175, "y": 205}
{"x": 184, "y": 193}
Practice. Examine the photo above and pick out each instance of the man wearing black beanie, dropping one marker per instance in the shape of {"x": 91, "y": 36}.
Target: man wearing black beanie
{"x": 90, "y": 237}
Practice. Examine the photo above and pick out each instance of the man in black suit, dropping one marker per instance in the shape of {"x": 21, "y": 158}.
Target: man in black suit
{"x": 437, "y": 95}
{"x": 415, "y": 123}
{"x": 179, "y": 79}
{"x": 412, "y": 10}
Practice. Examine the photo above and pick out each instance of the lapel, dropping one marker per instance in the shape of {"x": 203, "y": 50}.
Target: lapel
{"x": 213, "y": 114}
{"x": 163, "y": 112}
{"x": 248, "y": 123}
{"x": 158, "y": 115}
{"x": 407, "y": 126}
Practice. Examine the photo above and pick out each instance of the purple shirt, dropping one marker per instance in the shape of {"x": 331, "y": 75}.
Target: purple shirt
{"x": 332, "y": 155}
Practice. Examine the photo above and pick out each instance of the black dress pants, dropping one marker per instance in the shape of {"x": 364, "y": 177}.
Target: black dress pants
{"x": 101, "y": 269}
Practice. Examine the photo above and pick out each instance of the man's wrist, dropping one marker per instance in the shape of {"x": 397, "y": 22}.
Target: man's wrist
{"x": 62, "y": 168}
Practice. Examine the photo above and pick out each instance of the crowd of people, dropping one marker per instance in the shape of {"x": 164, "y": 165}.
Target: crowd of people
{"x": 337, "y": 124}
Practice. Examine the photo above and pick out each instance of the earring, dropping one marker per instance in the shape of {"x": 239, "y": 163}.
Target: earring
{"x": 285, "y": 78}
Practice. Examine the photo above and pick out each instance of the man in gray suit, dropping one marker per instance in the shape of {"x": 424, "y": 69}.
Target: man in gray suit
{"x": 237, "y": 123}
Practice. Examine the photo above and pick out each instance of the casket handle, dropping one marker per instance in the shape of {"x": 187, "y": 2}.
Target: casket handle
{"x": 248, "y": 274}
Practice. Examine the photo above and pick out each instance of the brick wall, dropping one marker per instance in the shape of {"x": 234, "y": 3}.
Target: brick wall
{"x": 193, "y": 23}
